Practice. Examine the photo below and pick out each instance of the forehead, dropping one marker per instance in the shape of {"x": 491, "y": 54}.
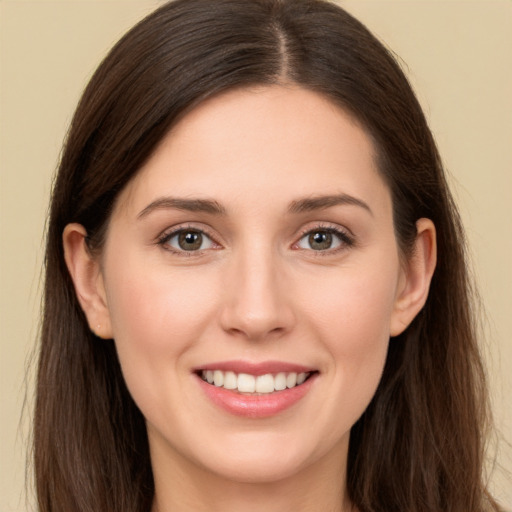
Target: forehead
{"x": 277, "y": 141}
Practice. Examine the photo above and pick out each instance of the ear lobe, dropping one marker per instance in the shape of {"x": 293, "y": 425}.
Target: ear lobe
{"x": 87, "y": 278}
{"x": 413, "y": 291}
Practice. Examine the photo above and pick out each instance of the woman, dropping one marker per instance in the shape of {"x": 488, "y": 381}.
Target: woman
{"x": 256, "y": 292}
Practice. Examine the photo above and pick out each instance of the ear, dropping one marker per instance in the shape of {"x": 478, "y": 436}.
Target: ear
{"x": 87, "y": 278}
{"x": 415, "y": 281}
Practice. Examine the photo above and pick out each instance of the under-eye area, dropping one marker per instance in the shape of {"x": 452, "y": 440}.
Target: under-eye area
{"x": 255, "y": 384}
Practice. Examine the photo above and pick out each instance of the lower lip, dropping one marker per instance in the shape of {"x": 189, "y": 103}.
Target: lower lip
{"x": 260, "y": 406}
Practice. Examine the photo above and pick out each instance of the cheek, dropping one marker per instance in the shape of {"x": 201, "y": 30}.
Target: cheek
{"x": 153, "y": 306}
{"x": 154, "y": 315}
{"x": 352, "y": 316}
{"x": 353, "y": 307}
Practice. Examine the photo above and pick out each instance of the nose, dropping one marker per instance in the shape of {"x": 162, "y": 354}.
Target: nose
{"x": 257, "y": 303}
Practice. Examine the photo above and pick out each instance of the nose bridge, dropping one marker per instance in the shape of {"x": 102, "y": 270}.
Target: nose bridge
{"x": 256, "y": 302}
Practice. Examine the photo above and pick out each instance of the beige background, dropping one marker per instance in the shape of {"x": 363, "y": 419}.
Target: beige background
{"x": 459, "y": 58}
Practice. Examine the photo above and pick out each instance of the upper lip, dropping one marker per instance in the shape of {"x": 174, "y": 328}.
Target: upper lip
{"x": 256, "y": 368}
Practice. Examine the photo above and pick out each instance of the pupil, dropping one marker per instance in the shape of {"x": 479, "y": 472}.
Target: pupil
{"x": 190, "y": 240}
{"x": 320, "y": 240}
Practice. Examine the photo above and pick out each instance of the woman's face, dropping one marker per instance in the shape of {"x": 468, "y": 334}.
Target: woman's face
{"x": 256, "y": 242}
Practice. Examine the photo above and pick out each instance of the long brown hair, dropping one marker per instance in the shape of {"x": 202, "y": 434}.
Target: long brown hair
{"x": 420, "y": 444}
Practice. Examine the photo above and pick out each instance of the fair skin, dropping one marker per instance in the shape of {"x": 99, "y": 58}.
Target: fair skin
{"x": 220, "y": 252}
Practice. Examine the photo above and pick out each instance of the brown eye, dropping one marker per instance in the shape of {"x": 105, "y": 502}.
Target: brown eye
{"x": 188, "y": 240}
{"x": 324, "y": 240}
{"x": 320, "y": 240}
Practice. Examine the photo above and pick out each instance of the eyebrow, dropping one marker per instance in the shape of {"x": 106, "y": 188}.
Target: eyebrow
{"x": 189, "y": 205}
{"x": 309, "y": 204}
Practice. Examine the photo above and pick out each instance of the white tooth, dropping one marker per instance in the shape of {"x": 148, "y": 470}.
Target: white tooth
{"x": 246, "y": 383}
{"x": 301, "y": 378}
{"x": 280, "y": 381}
{"x": 291, "y": 380}
{"x": 265, "y": 383}
{"x": 230, "y": 381}
{"x": 209, "y": 376}
{"x": 218, "y": 378}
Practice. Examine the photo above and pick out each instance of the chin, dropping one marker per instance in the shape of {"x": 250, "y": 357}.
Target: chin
{"x": 268, "y": 459}
{"x": 257, "y": 470}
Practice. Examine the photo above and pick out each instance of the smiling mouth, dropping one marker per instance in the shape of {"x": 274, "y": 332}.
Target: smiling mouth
{"x": 245, "y": 383}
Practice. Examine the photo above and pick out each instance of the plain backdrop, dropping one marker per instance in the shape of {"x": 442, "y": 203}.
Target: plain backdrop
{"x": 458, "y": 55}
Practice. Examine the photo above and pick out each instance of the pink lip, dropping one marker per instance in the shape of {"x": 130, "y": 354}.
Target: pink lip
{"x": 256, "y": 368}
{"x": 255, "y": 406}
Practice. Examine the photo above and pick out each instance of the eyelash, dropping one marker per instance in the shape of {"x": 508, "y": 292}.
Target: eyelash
{"x": 346, "y": 240}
